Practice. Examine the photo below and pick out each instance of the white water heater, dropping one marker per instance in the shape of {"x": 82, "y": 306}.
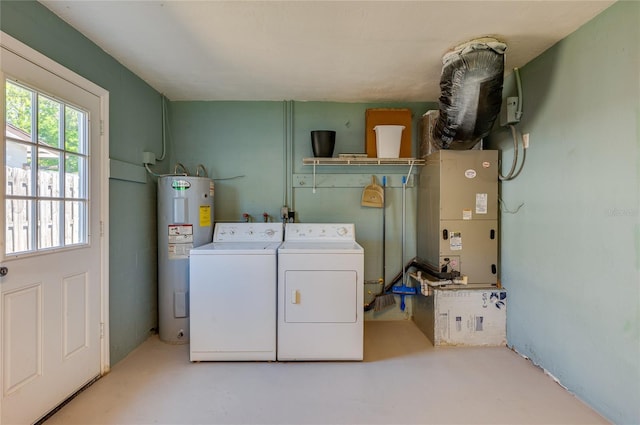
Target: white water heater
{"x": 185, "y": 221}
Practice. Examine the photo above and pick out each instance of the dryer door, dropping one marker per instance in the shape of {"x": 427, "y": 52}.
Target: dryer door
{"x": 320, "y": 296}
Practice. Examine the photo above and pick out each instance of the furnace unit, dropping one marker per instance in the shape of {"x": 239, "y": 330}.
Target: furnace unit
{"x": 458, "y": 215}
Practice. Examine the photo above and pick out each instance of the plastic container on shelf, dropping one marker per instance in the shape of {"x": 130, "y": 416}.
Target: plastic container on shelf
{"x": 388, "y": 140}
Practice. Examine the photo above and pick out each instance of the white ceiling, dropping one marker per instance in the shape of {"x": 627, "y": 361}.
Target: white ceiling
{"x": 344, "y": 51}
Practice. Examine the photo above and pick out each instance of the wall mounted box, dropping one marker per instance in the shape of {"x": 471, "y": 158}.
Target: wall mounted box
{"x": 388, "y": 116}
{"x": 468, "y": 317}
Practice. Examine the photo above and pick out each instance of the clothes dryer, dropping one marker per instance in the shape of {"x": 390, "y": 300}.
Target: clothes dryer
{"x": 233, "y": 293}
{"x": 320, "y": 293}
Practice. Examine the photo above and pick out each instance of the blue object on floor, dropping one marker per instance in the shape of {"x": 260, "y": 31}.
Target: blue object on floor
{"x": 403, "y": 290}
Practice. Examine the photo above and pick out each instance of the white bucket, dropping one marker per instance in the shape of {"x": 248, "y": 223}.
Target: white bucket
{"x": 388, "y": 140}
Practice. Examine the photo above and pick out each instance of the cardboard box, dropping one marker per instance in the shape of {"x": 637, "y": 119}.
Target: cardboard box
{"x": 388, "y": 116}
{"x": 470, "y": 317}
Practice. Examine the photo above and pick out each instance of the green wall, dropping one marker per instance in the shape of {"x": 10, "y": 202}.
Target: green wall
{"x": 265, "y": 142}
{"x": 338, "y": 197}
{"x": 238, "y": 141}
{"x": 570, "y": 257}
{"x": 134, "y": 126}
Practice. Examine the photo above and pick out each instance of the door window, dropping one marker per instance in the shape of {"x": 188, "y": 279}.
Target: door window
{"x": 46, "y": 170}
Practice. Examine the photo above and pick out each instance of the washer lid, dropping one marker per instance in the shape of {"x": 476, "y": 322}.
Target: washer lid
{"x": 237, "y": 248}
{"x": 318, "y": 247}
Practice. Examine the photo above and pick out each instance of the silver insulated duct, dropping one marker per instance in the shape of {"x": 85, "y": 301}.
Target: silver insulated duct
{"x": 471, "y": 93}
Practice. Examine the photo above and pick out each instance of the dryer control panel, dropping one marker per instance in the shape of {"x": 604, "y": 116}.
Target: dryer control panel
{"x": 328, "y": 232}
{"x": 248, "y": 232}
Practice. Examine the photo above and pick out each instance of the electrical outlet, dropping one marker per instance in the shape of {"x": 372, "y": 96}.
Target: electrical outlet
{"x": 525, "y": 140}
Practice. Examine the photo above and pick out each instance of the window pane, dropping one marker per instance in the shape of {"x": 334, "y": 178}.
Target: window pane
{"x": 49, "y": 224}
{"x": 44, "y": 139}
{"x": 48, "y": 121}
{"x": 18, "y": 169}
{"x": 75, "y": 169}
{"x": 75, "y": 217}
{"x": 18, "y": 111}
{"x": 18, "y": 236}
{"x": 48, "y": 173}
{"x": 74, "y": 134}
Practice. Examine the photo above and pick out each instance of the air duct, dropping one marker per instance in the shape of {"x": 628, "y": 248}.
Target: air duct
{"x": 471, "y": 93}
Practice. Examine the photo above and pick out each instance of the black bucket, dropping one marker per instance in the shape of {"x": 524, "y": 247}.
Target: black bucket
{"x": 323, "y": 142}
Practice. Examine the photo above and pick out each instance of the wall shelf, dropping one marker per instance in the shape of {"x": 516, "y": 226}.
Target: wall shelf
{"x": 362, "y": 161}
{"x": 359, "y": 161}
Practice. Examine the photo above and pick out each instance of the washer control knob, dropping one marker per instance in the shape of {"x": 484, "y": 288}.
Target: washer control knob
{"x": 342, "y": 231}
{"x": 270, "y": 232}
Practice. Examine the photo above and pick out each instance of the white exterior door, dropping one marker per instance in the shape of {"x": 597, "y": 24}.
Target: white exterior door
{"x": 51, "y": 293}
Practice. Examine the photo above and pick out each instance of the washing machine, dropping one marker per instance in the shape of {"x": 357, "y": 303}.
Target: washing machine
{"x": 320, "y": 293}
{"x": 233, "y": 290}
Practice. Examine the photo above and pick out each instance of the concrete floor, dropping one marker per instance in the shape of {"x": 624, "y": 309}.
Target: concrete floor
{"x": 403, "y": 380}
